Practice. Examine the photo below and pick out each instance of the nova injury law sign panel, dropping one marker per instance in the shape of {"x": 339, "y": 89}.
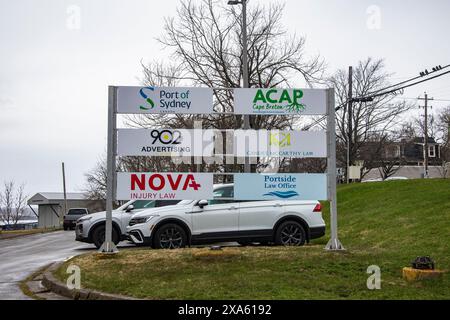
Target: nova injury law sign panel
{"x": 160, "y": 186}
{"x": 165, "y": 142}
{"x": 174, "y": 100}
{"x": 283, "y": 186}
{"x": 277, "y": 101}
{"x": 279, "y": 144}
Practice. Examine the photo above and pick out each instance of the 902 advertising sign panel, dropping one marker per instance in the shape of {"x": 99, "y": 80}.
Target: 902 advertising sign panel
{"x": 283, "y": 186}
{"x": 165, "y": 142}
{"x": 182, "y": 100}
{"x": 154, "y": 186}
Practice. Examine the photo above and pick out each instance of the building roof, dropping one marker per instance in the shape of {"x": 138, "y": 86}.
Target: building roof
{"x": 422, "y": 139}
{"x": 52, "y": 197}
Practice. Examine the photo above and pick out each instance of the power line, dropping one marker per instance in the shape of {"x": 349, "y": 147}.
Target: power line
{"x": 377, "y": 94}
{"x": 408, "y": 98}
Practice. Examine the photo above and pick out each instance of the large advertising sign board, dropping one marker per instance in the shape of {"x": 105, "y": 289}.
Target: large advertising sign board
{"x": 282, "y": 186}
{"x": 280, "y": 101}
{"x": 175, "y": 100}
{"x": 276, "y": 143}
{"x": 165, "y": 142}
{"x": 160, "y": 186}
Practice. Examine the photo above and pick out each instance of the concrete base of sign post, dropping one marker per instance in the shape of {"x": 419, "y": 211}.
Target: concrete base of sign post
{"x": 108, "y": 248}
{"x": 334, "y": 245}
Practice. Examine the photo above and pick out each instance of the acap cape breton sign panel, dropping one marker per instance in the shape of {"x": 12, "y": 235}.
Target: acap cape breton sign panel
{"x": 280, "y": 101}
{"x": 188, "y": 100}
{"x": 168, "y": 185}
{"x": 165, "y": 142}
{"x": 282, "y": 186}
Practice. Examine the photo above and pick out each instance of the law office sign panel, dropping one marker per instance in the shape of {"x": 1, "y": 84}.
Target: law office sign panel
{"x": 168, "y": 185}
{"x": 182, "y": 100}
{"x": 295, "y": 186}
{"x": 276, "y": 143}
{"x": 280, "y": 101}
{"x": 165, "y": 142}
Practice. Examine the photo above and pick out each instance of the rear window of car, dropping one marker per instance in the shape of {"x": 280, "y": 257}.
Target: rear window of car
{"x": 143, "y": 204}
{"x": 163, "y": 203}
{"x": 77, "y": 211}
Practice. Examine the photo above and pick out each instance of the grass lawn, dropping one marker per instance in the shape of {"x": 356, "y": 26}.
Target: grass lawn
{"x": 18, "y": 233}
{"x": 386, "y": 224}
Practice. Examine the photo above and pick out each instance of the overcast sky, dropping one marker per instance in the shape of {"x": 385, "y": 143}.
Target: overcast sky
{"x": 55, "y": 71}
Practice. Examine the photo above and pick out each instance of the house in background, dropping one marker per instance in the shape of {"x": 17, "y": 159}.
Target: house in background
{"x": 51, "y": 206}
{"x": 407, "y": 156}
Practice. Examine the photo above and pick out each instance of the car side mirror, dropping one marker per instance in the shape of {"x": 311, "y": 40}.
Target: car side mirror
{"x": 129, "y": 208}
{"x": 202, "y": 203}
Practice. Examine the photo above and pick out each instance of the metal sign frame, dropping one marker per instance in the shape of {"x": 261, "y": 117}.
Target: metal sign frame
{"x": 109, "y": 247}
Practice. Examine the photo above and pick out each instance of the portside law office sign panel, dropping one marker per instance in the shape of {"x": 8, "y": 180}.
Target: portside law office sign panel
{"x": 165, "y": 142}
{"x": 182, "y": 100}
{"x": 277, "y": 101}
{"x": 281, "y": 186}
{"x": 167, "y": 185}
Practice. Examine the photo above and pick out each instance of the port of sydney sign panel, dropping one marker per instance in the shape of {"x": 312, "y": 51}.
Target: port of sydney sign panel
{"x": 280, "y": 101}
{"x": 180, "y": 100}
{"x": 280, "y": 186}
{"x": 165, "y": 142}
{"x": 167, "y": 185}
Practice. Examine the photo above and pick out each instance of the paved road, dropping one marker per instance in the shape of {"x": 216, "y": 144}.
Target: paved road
{"x": 19, "y": 257}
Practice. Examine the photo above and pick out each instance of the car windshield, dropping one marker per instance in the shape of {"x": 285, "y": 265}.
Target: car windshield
{"x": 138, "y": 204}
{"x": 76, "y": 212}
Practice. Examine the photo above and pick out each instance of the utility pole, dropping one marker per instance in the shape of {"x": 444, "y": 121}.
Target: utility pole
{"x": 245, "y": 71}
{"x": 425, "y": 142}
{"x": 246, "y": 118}
{"x": 350, "y": 116}
{"x": 64, "y": 188}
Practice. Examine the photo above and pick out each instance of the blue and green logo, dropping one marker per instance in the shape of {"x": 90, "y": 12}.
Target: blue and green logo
{"x": 282, "y": 194}
{"x": 150, "y": 102}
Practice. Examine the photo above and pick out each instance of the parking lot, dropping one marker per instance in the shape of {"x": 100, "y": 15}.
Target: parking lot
{"x": 19, "y": 257}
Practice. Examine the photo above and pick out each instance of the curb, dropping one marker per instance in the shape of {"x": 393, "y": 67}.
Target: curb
{"x": 54, "y": 285}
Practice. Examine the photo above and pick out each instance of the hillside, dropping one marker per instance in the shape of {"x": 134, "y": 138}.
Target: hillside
{"x": 386, "y": 224}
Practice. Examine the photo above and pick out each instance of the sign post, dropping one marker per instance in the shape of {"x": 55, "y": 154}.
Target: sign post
{"x": 333, "y": 244}
{"x": 248, "y": 186}
{"x": 109, "y": 246}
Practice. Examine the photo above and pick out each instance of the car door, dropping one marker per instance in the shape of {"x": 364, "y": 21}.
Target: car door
{"x": 217, "y": 219}
{"x": 259, "y": 215}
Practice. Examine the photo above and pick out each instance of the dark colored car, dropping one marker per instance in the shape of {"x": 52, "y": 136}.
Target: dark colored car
{"x": 72, "y": 216}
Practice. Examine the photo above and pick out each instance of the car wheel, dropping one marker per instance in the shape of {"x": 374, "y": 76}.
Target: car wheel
{"x": 244, "y": 243}
{"x": 98, "y": 236}
{"x": 170, "y": 236}
{"x": 290, "y": 233}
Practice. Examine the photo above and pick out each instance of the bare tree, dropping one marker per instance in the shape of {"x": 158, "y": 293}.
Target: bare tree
{"x": 443, "y": 136}
{"x": 13, "y": 202}
{"x": 205, "y": 39}
{"x": 369, "y": 119}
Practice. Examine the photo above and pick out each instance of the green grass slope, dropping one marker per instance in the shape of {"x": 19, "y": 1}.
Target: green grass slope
{"x": 386, "y": 224}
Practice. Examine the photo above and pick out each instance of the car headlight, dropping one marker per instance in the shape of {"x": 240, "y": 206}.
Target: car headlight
{"x": 139, "y": 220}
{"x": 84, "y": 219}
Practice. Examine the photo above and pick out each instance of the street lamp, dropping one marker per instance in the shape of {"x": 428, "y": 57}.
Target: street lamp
{"x": 245, "y": 64}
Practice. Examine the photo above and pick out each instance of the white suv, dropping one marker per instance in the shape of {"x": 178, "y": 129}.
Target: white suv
{"x": 91, "y": 228}
{"x": 283, "y": 222}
